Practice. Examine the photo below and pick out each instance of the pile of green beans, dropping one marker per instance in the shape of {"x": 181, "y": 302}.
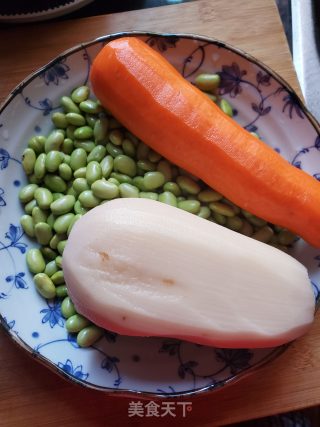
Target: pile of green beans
{"x": 89, "y": 158}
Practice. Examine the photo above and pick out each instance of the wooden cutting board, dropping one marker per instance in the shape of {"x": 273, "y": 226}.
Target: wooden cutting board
{"x": 30, "y": 394}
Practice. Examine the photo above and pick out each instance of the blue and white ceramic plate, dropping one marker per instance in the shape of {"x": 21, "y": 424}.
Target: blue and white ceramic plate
{"x": 263, "y": 102}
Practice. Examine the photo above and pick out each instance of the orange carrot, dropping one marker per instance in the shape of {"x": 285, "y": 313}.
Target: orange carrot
{"x": 168, "y": 113}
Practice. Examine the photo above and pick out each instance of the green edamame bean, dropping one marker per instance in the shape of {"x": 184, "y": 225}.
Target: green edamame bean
{"x": 33, "y": 179}
{"x": 26, "y": 222}
{"x": 106, "y": 166}
{"x": 80, "y": 173}
{"x": 65, "y": 172}
{"x": 83, "y": 132}
{"x": 43, "y": 197}
{"x": 222, "y": 209}
{"x": 61, "y": 291}
{"x": 88, "y": 146}
{"x": 114, "y": 181}
{"x": 104, "y": 189}
{"x": 138, "y": 182}
{"x": 76, "y": 322}
{"x": 236, "y": 208}
{"x": 173, "y": 188}
{"x": 58, "y": 277}
{"x": 89, "y": 106}
{"x": 50, "y": 220}
{"x": 26, "y": 193}
{"x": 44, "y": 285}
{"x": 35, "y": 261}
{"x": 61, "y": 246}
{"x": 257, "y": 222}
{"x": 48, "y": 253}
{"x": 63, "y": 205}
{"x": 70, "y": 131}
{"x": 93, "y": 172}
{"x": 128, "y": 190}
{"x": 57, "y": 196}
{"x": 89, "y": 335}
{"x": 204, "y": 212}
{"x": 154, "y": 157}
{"x": 51, "y": 268}
{"x": 39, "y": 215}
{"x": 116, "y": 137}
{"x": 286, "y": 238}
{"x": 79, "y": 209}
{"x": 75, "y": 119}
{"x": 70, "y": 191}
{"x": 66, "y": 158}
{"x": 80, "y": 94}
{"x": 53, "y": 160}
{"x": 226, "y": 107}
{"x": 43, "y": 233}
{"x": 68, "y": 105}
{"x": 100, "y": 130}
{"x": 165, "y": 168}
{"x": 28, "y": 160}
{"x": 208, "y": 82}
{"x": 153, "y": 180}
{"x": 80, "y": 184}
{"x": 56, "y": 239}
{"x": 113, "y": 150}
{"x": 168, "y": 198}
{"x": 264, "y": 234}
{"x": 58, "y": 261}
{"x": 219, "y": 218}
{"x": 29, "y": 206}
{"x": 54, "y": 140}
{"x": 74, "y": 220}
{"x": 192, "y": 206}
{"x": 59, "y": 120}
{"x": 188, "y": 185}
{"x": 78, "y": 159}
{"x": 67, "y": 308}
{"x": 125, "y": 165}
{"x": 121, "y": 178}
{"x": 128, "y": 147}
{"x": 37, "y": 143}
{"x": 146, "y": 165}
{"x": 142, "y": 151}
{"x": 149, "y": 195}
{"x": 40, "y": 166}
{"x": 55, "y": 183}
{"x": 88, "y": 199}
{"x": 234, "y": 223}
{"x": 91, "y": 119}
{"x": 97, "y": 154}
{"x": 62, "y": 223}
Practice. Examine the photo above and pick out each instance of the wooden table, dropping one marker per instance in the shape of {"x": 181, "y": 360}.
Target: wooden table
{"x": 30, "y": 394}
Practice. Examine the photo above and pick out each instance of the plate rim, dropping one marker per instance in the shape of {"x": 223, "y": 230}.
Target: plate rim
{"x": 45, "y": 14}
{"x": 276, "y": 352}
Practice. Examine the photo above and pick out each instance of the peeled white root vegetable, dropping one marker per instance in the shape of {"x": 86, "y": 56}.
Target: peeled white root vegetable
{"x": 143, "y": 268}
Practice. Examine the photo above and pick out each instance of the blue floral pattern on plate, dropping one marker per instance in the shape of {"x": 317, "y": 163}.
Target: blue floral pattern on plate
{"x": 262, "y": 102}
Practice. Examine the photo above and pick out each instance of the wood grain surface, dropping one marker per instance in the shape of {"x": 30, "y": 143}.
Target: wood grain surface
{"x": 32, "y": 395}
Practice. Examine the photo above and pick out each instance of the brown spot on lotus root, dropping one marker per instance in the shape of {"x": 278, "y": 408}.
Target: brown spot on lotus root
{"x": 104, "y": 256}
{"x": 168, "y": 281}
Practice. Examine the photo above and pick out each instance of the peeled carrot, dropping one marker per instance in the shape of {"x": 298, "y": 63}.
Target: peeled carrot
{"x": 148, "y": 95}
